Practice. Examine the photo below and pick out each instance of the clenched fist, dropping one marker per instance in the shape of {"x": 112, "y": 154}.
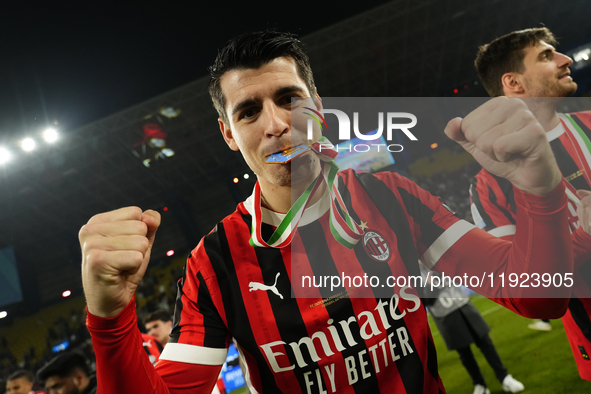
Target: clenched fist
{"x": 116, "y": 250}
{"x": 507, "y": 140}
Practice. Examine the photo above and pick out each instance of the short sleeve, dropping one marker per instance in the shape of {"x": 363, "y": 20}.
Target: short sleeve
{"x": 199, "y": 334}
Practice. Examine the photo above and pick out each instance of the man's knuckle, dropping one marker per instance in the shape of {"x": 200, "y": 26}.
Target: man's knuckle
{"x": 92, "y": 256}
{"x": 84, "y": 232}
{"x": 140, "y": 228}
{"x": 137, "y": 258}
{"x": 135, "y": 212}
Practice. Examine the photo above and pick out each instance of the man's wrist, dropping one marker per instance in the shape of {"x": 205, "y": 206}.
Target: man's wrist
{"x": 98, "y": 322}
{"x": 551, "y": 201}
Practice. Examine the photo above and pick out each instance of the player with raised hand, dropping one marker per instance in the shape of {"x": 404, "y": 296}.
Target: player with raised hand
{"x": 295, "y": 345}
{"x": 524, "y": 64}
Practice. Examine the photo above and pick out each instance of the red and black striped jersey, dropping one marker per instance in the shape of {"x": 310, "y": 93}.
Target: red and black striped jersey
{"x": 493, "y": 209}
{"x": 152, "y": 347}
{"x": 320, "y": 342}
{"x": 294, "y": 339}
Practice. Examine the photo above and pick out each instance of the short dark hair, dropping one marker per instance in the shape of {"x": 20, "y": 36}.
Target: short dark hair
{"x": 158, "y": 315}
{"x": 22, "y": 373}
{"x": 505, "y": 54}
{"x": 63, "y": 365}
{"x": 252, "y": 51}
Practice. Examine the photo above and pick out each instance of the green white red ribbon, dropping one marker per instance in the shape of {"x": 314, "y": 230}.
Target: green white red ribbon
{"x": 344, "y": 229}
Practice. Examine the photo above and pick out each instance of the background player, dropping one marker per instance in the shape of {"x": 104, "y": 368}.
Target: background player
{"x": 21, "y": 382}
{"x": 159, "y": 325}
{"x": 68, "y": 373}
{"x": 525, "y": 64}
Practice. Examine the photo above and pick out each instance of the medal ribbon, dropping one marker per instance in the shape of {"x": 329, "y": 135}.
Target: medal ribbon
{"x": 344, "y": 229}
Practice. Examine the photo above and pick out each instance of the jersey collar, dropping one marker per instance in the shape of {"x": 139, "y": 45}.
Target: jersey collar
{"x": 312, "y": 213}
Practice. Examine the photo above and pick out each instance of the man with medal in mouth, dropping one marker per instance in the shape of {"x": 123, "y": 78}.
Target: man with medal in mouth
{"x": 239, "y": 282}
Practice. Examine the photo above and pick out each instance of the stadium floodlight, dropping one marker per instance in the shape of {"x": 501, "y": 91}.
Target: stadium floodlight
{"x": 582, "y": 55}
{"x": 28, "y": 144}
{"x": 5, "y": 155}
{"x": 50, "y": 135}
{"x": 246, "y": 176}
{"x": 3, "y": 314}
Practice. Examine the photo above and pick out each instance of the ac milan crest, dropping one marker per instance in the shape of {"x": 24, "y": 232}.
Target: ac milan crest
{"x": 376, "y": 246}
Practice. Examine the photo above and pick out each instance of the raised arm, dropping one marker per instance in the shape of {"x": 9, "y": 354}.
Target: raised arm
{"x": 116, "y": 250}
{"x": 506, "y": 139}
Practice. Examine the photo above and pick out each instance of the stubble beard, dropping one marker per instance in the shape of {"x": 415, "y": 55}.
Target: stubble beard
{"x": 555, "y": 89}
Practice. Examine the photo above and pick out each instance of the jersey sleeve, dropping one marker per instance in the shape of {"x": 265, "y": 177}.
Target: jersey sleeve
{"x": 192, "y": 359}
{"x": 199, "y": 334}
{"x": 541, "y": 244}
{"x": 494, "y": 210}
{"x": 428, "y": 216}
{"x": 492, "y": 203}
{"x": 123, "y": 366}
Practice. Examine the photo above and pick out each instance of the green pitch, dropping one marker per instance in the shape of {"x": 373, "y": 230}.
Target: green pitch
{"x": 541, "y": 360}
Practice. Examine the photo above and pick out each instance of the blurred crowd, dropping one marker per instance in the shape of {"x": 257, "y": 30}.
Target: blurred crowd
{"x": 67, "y": 338}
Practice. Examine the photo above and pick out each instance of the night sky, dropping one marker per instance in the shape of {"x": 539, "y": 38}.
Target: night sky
{"x": 69, "y": 63}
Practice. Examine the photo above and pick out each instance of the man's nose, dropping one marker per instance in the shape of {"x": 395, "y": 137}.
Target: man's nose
{"x": 563, "y": 60}
{"x": 276, "y": 119}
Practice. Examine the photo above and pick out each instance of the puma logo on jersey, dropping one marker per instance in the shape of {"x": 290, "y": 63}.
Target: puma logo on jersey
{"x": 261, "y": 286}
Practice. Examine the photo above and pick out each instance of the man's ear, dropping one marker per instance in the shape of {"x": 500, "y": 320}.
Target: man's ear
{"x": 318, "y": 102}
{"x": 512, "y": 84}
{"x": 228, "y": 135}
{"x": 78, "y": 376}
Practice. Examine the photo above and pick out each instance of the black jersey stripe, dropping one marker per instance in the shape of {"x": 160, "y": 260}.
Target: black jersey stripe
{"x": 567, "y": 165}
{"x": 475, "y": 195}
{"x": 410, "y": 367}
{"x": 581, "y": 124}
{"x": 288, "y": 318}
{"x": 314, "y": 240}
{"x": 391, "y": 210}
{"x": 215, "y": 331}
{"x": 580, "y": 316}
{"x": 422, "y": 215}
{"x": 492, "y": 197}
{"x": 178, "y": 308}
{"x": 506, "y": 189}
{"x": 432, "y": 366}
{"x": 235, "y": 309}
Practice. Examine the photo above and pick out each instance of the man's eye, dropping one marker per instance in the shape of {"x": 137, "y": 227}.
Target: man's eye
{"x": 294, "y": 100}
{"x": 247, "y": 114}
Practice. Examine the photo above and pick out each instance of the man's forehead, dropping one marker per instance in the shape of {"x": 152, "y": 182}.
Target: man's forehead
{"x": 241, "y": 84}
{"x": 542, "y": 46}
{"x": 53, "y": 380}
{"x": 17, "y": 382}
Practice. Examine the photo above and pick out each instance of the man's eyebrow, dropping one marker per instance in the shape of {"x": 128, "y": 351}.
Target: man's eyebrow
{"x": 546, "y": 51}
{"x": 290, "y": 89}
{"x": 243, "y": 104}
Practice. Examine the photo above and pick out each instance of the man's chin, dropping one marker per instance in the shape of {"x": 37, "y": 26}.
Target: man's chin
{"x": 568, "y": 88}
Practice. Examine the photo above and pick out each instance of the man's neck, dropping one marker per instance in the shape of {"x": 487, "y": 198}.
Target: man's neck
{"x": 544, "y": 109}
{"x": 546, "y": 115}
{"x": 280, "y": 199}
